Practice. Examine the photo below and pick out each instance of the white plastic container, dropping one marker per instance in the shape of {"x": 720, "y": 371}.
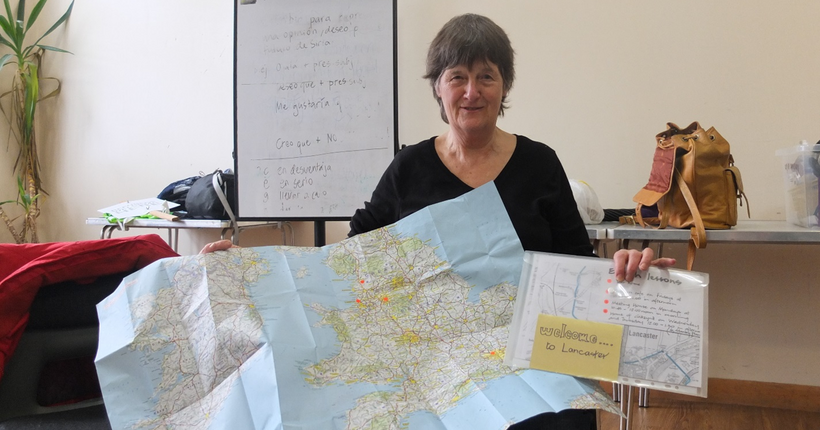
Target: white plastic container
{"x": 801, "y": 169}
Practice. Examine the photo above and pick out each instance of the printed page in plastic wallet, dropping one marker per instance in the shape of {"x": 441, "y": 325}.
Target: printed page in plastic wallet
{"x": 571, "y": 316}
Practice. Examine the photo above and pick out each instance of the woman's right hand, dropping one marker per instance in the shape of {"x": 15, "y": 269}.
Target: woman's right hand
{"x": 628, "y": 262}
{"x": 219, "y": 245}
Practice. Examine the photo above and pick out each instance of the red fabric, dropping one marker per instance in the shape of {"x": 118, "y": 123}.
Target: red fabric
{"x": 27, "y": 267}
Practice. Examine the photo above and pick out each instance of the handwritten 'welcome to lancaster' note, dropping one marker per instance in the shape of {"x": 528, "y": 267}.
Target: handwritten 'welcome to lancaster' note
{"x": 573, "y": 317}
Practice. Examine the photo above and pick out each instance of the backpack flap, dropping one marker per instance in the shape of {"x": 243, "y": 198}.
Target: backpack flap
{"x": 660, "y": 177}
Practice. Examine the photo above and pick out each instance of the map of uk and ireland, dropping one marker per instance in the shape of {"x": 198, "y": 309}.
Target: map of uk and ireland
{"x": 405, "y": 326}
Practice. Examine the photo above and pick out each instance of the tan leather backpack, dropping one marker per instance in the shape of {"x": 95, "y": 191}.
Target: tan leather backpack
{"x": 693, "y": 184}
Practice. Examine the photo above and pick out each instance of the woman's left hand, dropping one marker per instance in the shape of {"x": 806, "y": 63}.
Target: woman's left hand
{"x": 629, "y": 261}
{"x": 219, "y": 245}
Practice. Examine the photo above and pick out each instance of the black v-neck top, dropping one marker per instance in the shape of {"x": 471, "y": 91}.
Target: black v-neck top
{"x": 533, "y": 187}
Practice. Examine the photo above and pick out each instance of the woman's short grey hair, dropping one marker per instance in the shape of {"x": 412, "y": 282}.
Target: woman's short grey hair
{"x": 464, "y": 40}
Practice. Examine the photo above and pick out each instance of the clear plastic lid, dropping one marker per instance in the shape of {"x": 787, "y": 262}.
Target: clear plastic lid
{"x": 803, "y": 146}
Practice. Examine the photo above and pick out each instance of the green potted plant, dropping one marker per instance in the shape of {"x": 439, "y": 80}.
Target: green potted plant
{"x": 22, "y": 100}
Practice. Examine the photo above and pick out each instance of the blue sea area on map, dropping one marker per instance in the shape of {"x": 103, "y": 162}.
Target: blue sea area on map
{"x": 254, "y": 399}
{"x": 483, "y": 249}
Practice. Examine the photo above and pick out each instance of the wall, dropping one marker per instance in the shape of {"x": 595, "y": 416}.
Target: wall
{"x": 147, "y": 99}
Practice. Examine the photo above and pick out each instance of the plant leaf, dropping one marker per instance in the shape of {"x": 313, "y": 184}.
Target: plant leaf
{"x": 8, "y": 10}
{"x": 35, "y": 13}
{"x": 5, "y": 59}
{"x": 53, "y": 93}
{"x": 55, "y": 49}
{"x": 7, "y": 43}
{"x": 57, "y": 24}
{"x": 7, "y": 27}
{"x": 21, "y": 10}
{"x": 32, "y": 90}
{"x": 19, "y": 35}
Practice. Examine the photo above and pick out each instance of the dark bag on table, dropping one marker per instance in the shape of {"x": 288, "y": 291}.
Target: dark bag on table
{"x": 177, "y": 192}
{"x": 693, "y": 184}
{"x": 212, "y": 197}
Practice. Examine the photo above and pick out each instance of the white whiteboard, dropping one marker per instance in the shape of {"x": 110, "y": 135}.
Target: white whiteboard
{"x": 315, "y": 105}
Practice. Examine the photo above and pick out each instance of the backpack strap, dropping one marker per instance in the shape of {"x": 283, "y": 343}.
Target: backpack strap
{"x": 638, "y": 217}
{"x": 697, "y": 235}
{"x": 218, "y": 183}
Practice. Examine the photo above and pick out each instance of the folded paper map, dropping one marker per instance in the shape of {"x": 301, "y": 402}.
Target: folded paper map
{"x": 403, "y": 327}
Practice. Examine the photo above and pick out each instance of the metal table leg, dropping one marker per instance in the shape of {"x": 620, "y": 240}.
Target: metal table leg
{"x": 643, "y": 397}
{"x": 626, "y": 407}
{"x": 107, "y": 230}
{"x": 173, "y": 239}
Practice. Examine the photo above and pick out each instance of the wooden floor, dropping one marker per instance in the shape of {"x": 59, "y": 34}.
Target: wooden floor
{"x": 674, "y": 414}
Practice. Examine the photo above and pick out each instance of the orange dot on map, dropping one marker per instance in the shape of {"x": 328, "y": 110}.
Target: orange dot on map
{"x": 358, "y": 300}
{"x": 361, "y": 281}
{"x": 385, "y": 299}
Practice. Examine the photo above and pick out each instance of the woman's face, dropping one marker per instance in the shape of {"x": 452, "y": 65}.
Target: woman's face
{"x": 471, "y": 96}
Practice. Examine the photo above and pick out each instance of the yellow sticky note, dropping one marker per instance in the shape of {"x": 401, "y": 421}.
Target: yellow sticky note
{"x": 577, "y": 347}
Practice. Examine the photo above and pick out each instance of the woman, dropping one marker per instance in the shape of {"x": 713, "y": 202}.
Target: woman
{"x": 470, "y": 69}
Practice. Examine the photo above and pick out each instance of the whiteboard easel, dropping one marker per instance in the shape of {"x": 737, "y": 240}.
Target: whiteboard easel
{"x": 315, "y": 106}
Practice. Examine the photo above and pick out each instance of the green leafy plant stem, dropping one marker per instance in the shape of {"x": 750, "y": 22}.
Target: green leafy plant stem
{"x": 24, "y": 96}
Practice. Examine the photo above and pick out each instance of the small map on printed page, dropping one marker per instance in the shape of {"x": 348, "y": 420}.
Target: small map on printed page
{"x": 652, "y": 330}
